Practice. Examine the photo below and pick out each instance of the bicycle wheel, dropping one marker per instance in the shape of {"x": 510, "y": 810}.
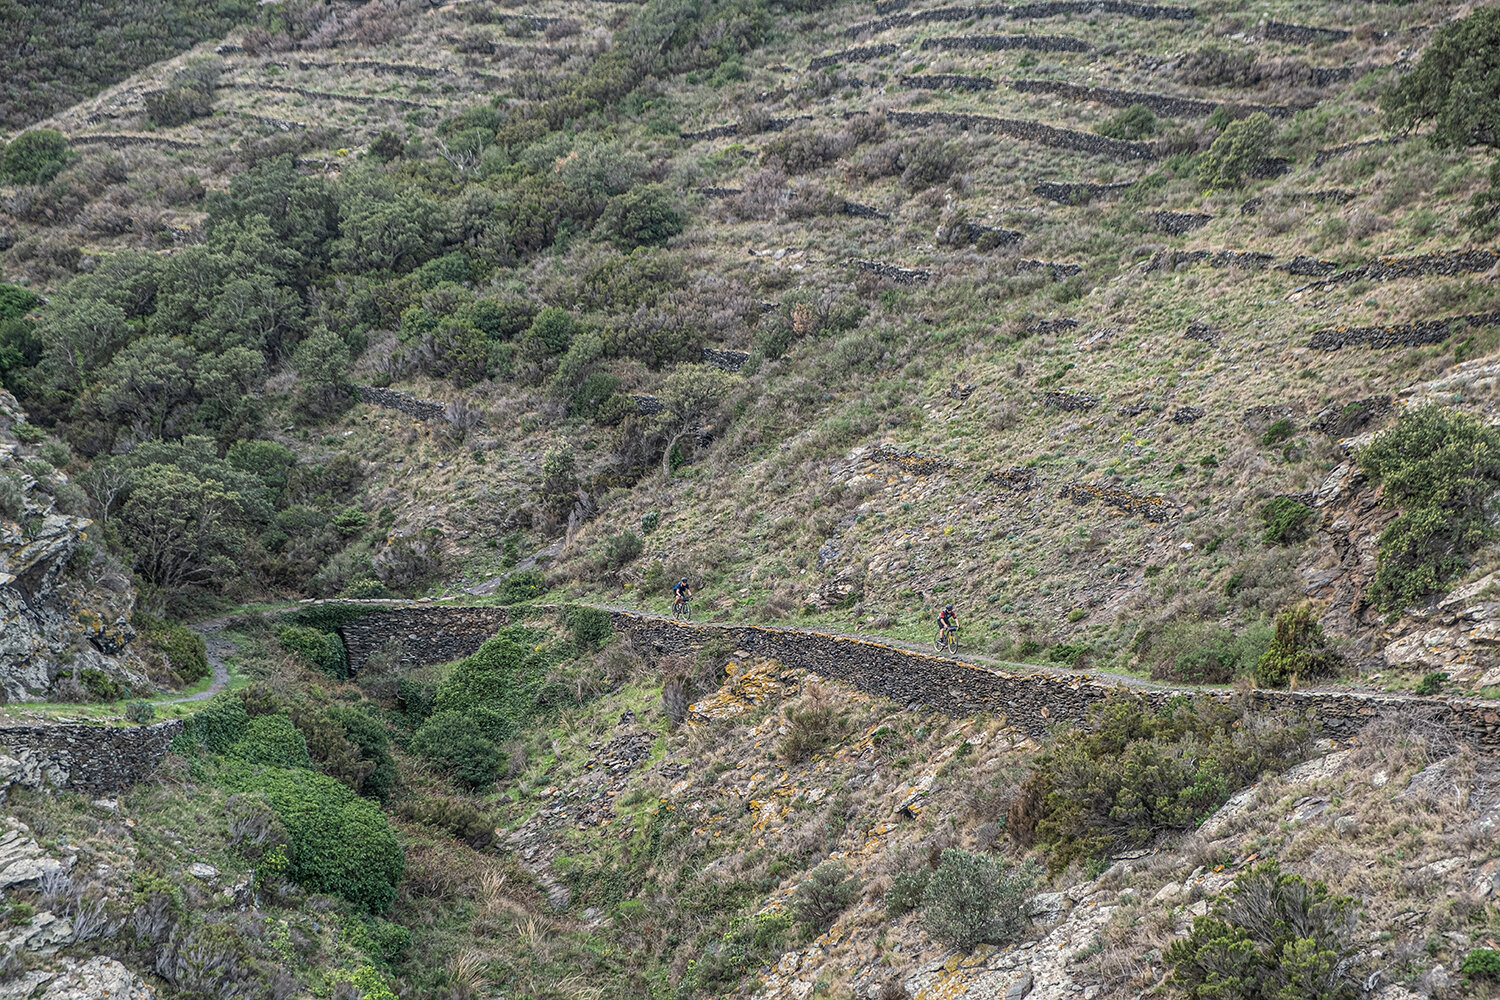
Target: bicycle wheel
{"x": 937, "y": 642}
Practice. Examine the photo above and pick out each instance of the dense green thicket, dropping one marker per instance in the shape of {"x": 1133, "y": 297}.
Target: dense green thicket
{"x": 58, "y": 54}
{"x": 1441, "y": 469}
{"x": 1299, "y": 651}
{"x": 1131, "y": 773}
{"x": 1272, "y": 937}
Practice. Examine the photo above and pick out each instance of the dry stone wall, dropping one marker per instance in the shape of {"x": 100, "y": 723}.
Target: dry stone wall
{"x": 391, "y": 399}
{"x": 1178, "y": 223}
{"x": 431, "y": 634}
{"x": 1162, "y": 104}
{"x": 729, "y": 361}
{"x": 1415, "y": 334}
{"x": 115, "y": 141}
{"x": 1444, "y": 262}
{"x": 1145, "y": 11}
{"x": 1167, "y": 260}
{"x": 1301, "y": 33}
{"x": 862, "y": 53}
{"x": 946, "y": 81}
{"x": 899, "y": 275}
{"x": 1029, "y": 131}
{"x": 1153, "y": 507}
{"x": 996, "y": 43}
{"x": 1077, "y": 193}
{"x": 93, "y": 759}
{"x": 325, "y": 95}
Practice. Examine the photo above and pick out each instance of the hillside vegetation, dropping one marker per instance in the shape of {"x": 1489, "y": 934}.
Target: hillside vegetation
{"x": 1159, "y": 340}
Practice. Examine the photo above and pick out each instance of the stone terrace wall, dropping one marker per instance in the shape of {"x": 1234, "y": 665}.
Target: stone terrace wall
{"x": 1030, "y": 702}
{"x": 1444, "y": 262}
{"x": 124, "y": 141}
{"x": 995, "y": 43}
{"x": 1281, "y": 32}
{"x": 1145, "y": 11}
{"x": 861, "y": 54}
{"x": 1079, "y": 193}
{"x": 390, "y": 399}
{"x": 427, "y": 634}
{"x": 92, "y": 759}
{"x": 1046, "y": 135}
{"x": 1429, "y": 331}
{"x": 1162, "y": 104}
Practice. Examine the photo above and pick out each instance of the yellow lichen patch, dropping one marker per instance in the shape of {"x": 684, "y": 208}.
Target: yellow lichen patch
{"x": 746, "y": 686}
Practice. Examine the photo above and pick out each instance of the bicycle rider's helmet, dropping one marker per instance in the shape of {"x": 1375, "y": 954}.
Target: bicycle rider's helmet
{"x": 948, "y": 608}
{"x": 683, "y": 580}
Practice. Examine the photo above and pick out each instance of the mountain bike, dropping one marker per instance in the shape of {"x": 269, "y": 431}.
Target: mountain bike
{"x": 946, "y": 645}
{"x": 680, "y": 611}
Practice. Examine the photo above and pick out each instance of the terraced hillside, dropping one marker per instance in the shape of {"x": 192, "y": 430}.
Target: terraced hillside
{"x": 1158, "y": 339}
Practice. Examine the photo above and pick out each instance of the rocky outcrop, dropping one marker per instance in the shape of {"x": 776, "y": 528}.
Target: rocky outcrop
{"x": 1459, "y": 636}
{"x": 1153, "y": 507}
{"x": 912, "y": 462}
{"x": 46, "y": 627}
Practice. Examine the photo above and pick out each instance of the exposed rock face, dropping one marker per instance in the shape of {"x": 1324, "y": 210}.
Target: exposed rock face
{"x": 43, "y": 626}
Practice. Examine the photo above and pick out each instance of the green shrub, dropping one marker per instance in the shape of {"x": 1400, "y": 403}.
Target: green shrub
{"x": 185, "y": 650}
{"x": 591, "y": 627}
{"x": 1068, "y": 652}
{"x": 1281, "y": 430}
{"x": 523, "y": 586}
{"x": 622, "y": 549}
{"x": 101, "y": 686}
{"x": 219, "y": 724}
{"x": 827, "y": 891}
{"x": 368, "y": 735}
{"x": 645, "y": 216}
{"x": 1432, "y": 683}
{"x": 12, "y": 497}
{"x": 1130, "y": 773}
{"x": 649, "y": 522}
{"x": 1134, "y": 123}
{"x": 750, "y": 943}
{"x": 457, "y": 816}
{"x": 338, "y": 843}
{"x": 274, "y": 740}
{"x": 178, "y": 105}
{"x": 809, "y": 728}
{"x": 1287, "y": 521}
{"x": 1482, "y": 963}
{"x": 317, "y": 649}
{"x": 35, "y": 156}
{"x": 140, "y": 712}
{"x": 1441, "y": 469}
{"x": 1238, "y": 152}
{"x": 1193, "y": 652}
{"x": 1274, "y": 936}
{"x": 1299, "y": 649}
{"x": 906, "y": 891}
{"x": 976, "y": 898}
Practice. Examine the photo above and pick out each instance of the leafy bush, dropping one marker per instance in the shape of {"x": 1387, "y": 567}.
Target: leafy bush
{"x": 824, "y": 894}
{"x": 1238, "y": 152}
{"x": 1278, "y": 432}
{"x": 1286, "y": 521}
{"x": 976, "y": 898}
{"x": 185, "y": 650}
{"x": 35, "y": 156}
{"x": 219, "y": 724}
{"x": 274, "y": 740}
{"x": 1274, "y": 936}
{"x": 809, "y": 728}
{"x": 907, "y": 891}
{"x": 317, "y": 649}
{"x": 1130, "y": 773}
{"x": 1134, "y": 123}
{"x": 338, "y": 842}
{"x": 140, "y": 712}
{"x": 101, "y": 686}
{"x": 178, "y": 105}
{"x": 1299, "y": 649}
{"x": 12, "y": 497}
{"x": 523, "y": 586}
{"x": 457, "y": 816}
{"x": 1482, "y": 963}
{"x": 622, "y": 549}
{"x": 1454, "y": 85}
{"x": 1432, "y": 683}
{"x": 1442, "y": 470}
{"x": 1194, "y": 652}
{"x": 749, "y": 943}
{"x": 645, "y": 216}
{"x": 590, "y": 626}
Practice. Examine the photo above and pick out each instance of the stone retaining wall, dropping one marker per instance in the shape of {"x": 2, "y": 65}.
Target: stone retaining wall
{"x": 863, "y": 53}
{"x": 1052, "y": 325}
{"x": 1446, "y": 262}
{"x": 276, "y": 88}
{"x": 1030, "y": 131}
{"x": 97, "y": 760}
{"x": 1178, "y": 223}
{"x": 900, "y": 275}
{"x": 1206, "y": 332}
{"x": 1324, "y": 155}
{"x": 725, "y": 131}
{"x": 996, "y": 43}
{"x": 391, "y": 399}
{"x": 1076, "y": 193}
{"x": 1032, "y": 702}
{"x": 1017, "y": 479}
{"x": 1415, "y": 334}
{"x": 946, "y": 81}
{"x": 426, "y": 635}
{"x": 1336, "y": 196}
{"x": 1281, "y": 32}
{"x": 646, "y": 405}
{"x": 1315, "y": 267}
{"x": 1057, "y": 399}
{"x": 1167, "y": 260}
{"x": 1162, "y": 104}
{"x": 1054, "y": 270}
{"x": 1145, "y": 11}
{"x": 859, "y": 211}
{"x": 729, "y": 361}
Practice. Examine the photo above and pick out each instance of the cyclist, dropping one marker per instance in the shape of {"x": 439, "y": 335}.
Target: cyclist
{"x": 682, "y": 592}
{"x": 947, "y": 624}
